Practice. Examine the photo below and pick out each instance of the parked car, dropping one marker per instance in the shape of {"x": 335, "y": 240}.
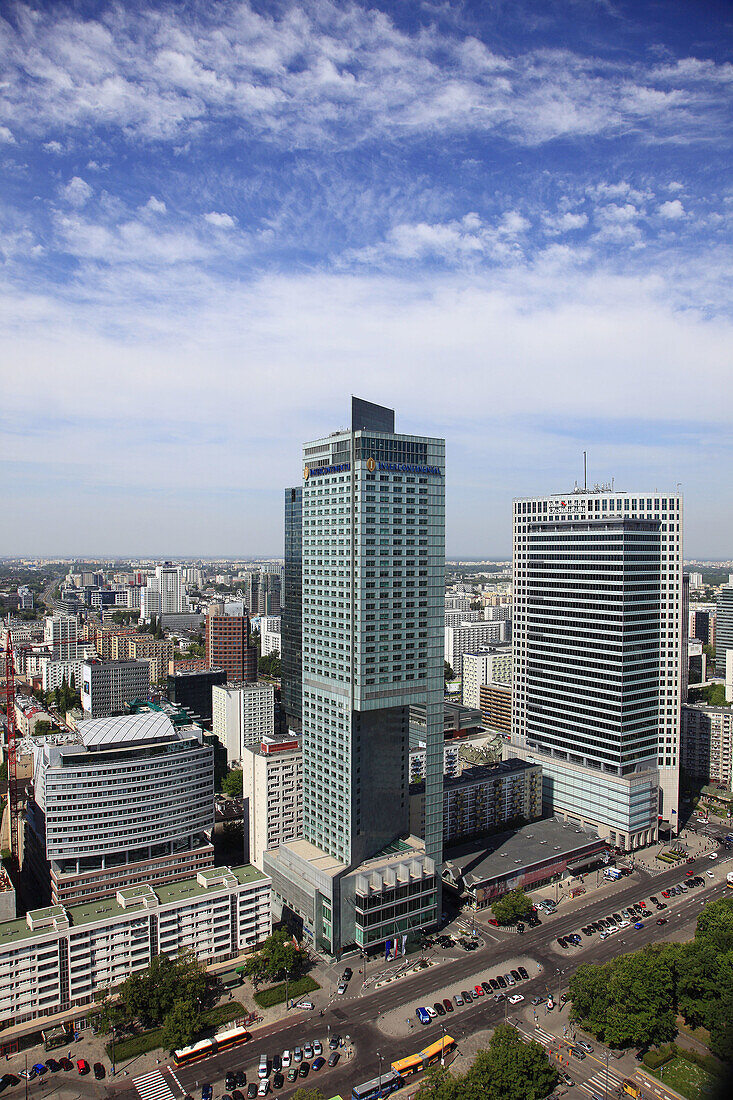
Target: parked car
{"x": 318, "y": 1063}
{"x": 53, "y": 1065}
{"x": 523, "y": 973}
{"x": 252, "y": 1089}
{"x": 333, "y": 1058}
{"x": 439, "y": 1008}
{"x": 241, "y": 1078}
{"x": 447, "y": 1004}
{"x": 277, "y": 1081}
{"x": 661, "y": 920}
{"x": 341, "y": 989}
{"x": 66, "y": 1064}
{"x": 478, "y": 991}
{"x": 293, "y": 1073}
{"x": 99, "y": 1071}
{"x": 303, "y": 1069}
{"x": 486, "y": 987}
{"x": 230, "y": 1082}
{"x": 83, "y": 1066}
{"x": 317, "y": 1050}
{"x": 206, "y": 1091}
{"x": 458, "y": 999}
{"x": 467, "y": 998}
{"x": 263, "y": 1088}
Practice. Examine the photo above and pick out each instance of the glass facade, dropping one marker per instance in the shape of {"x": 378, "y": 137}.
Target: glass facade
{"x": 292, "y": 609}
{"x": 373, "y": 556}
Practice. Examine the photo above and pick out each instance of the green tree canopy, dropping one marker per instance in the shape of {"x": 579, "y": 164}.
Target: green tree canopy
{"x": 181, "y": 1024}
{"x": 511, "y": 907}
{"x": 307, "y": 1094}
{"x": 448, "y": 673}
{"x": 231, "y": 784}
{"x": 270, "y": 665}
{"x": 277, "y": 956}
{"x": 149, "y": 996}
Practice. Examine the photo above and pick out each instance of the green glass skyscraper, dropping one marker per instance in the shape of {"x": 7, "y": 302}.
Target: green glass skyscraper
{"x": 373, "y": 557}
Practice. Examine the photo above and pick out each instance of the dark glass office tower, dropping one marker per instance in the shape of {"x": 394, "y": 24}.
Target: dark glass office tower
{"x": 292, "y": 610}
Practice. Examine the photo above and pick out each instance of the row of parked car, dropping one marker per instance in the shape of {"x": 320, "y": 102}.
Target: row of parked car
{"x": 492, "y": 987}
{"x": 52, "y": 1065}
{"x": 292, "y": 1065}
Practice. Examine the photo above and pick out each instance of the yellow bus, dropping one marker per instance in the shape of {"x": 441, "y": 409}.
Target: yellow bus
{"x": 414, "y": 1063}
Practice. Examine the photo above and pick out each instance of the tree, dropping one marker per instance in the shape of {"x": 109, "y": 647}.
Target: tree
{"x": 42, "y": 727}
{"x": 511, "y": 907}
{"x": 510, "y": 1069}
{"x": 180, "y": 1025}
{"x": 307, "y": 1094}
{"x": 277, "y": 956}
{"x": 270, "y": 665}
{"x": 232, "y": 783}
{"x": 439, "y": 1084}
{"x": 448, "y": 673}
{"x": 149, "y": 996}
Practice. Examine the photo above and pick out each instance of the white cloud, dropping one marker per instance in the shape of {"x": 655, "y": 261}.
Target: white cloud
{"x": 6, "y": 136}
{"x": 468, "y": 239}
{"x": 565, "y": 223}
{"x": 672, "y": 211}
{"x": 221, "y": 221}
{"x": 76, "y": 192}
{"x": 154, "y": 206}
{"x": 53, "y": 147}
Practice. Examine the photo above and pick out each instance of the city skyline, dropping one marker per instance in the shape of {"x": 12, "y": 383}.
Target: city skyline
{"x": 218, "y": 220}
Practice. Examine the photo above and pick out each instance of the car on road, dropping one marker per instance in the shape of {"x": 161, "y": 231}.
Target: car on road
{"x": 567, "y": 1079}
{"x": 439, "y": 1008}
{"x": 347, "y": 974}
{"x": 584, "y": 1046}
{"x": 318, "y": 1064}
{"x": 341, "y": 989}
{"x": 661, "y": 920}
{"x": 515, "y": 998}
{"x": 83, "y": 1066}
{"x": 710, "y": 874}
{"x": 99, "y": 1071}
{"x": 447, "y": 1004}
{"x": 577, "y": 1052}
{"x": 639, "y": 924}
{"x": 333, "y": 1058}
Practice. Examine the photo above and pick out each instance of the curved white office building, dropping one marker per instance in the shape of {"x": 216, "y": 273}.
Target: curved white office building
{"x": 126, "y": 800}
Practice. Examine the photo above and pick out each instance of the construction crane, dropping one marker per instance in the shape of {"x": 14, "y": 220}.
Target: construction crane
{"x": 13, "y": 800}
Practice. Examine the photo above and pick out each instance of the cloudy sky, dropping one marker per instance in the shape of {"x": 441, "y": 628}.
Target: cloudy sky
{"x": 509, "y": 220}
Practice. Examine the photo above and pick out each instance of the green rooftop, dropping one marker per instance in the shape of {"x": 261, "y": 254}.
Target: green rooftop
{"x": 14, "y": 931}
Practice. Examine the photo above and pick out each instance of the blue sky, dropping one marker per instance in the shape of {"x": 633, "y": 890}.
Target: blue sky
{"x": 510, "y": 221}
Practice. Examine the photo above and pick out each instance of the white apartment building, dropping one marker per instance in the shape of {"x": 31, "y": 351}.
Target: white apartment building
{"x": 61, "y": 635}
{"x": 451, "y": 761}
{"x": 242, "y": 714}
{"x": 457, "y": 602}
{"x": 53, "y": 674}
{"x": 271, "y": 642}
{"x": 455, "y": 618}
{"x": 598, "y": 660}
{"x": 272, "y": 785}
{"x": 56, "y": 959}
{"x": 707, "y": 743}
{"x": 468, "y": 637}
{"x": 491, "y": 665}
{"x": 106, "y": 686}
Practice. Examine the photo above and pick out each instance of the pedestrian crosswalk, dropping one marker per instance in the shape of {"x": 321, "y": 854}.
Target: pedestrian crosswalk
{"x": 596, "y": 1085}
{"x": 153, "y": 1086}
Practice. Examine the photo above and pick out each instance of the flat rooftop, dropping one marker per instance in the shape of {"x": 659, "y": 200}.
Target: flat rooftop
{"x": 505, "y": 853}
{"x": 14, "y": 931}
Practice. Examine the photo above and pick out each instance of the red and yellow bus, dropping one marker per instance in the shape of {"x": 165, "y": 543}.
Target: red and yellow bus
{"x": 223, "y": 1041}
{"x": 432, "y": 1054}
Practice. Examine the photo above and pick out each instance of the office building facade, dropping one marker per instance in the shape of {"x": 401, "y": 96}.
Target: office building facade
{"x": 271, "y": 785}
{"x": 128, "y": 800}
{"x": 597, "y": 671}
{"x": 191, "y": 688}
{"x": 227, "y": 645}
{"x": 292, "y": 608}
{"x": 107, "y": 687}
{"x": 723, "y": 627}
{"x": 373, "y": 532}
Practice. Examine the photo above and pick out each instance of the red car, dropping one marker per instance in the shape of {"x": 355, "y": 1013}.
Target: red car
{"x": 665, "y": 893}
{"x": 479, "y": 991}
{"x": 83, "y": 1066}
{"x": 494, "y": 921}
{"x": 690, "y": 872}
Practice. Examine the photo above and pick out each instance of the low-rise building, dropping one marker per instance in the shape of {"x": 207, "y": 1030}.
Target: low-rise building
{"x": 527, "y": 858}
{"x": 706, "y": 749}
{"x": 272, "y": 786}
{"x": 468, "y": 637}
{"x": 242, "y": 714}
{"x": 56, "y": 959}
{"x": 482, "y": 799}
{"x": 28, "y": 713}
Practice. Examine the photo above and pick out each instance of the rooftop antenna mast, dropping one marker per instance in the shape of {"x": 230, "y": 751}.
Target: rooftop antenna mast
{"x": 585, "y": 470}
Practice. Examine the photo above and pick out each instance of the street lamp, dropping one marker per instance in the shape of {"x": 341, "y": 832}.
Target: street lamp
{"x": 442, "y": 1049}
{"x": 287, "y": 979}
{"x": 381, "y": 1059}
{"x": 113, "y": 1050}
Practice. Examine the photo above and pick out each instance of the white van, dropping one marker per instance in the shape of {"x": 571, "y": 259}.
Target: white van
{"x": 264, "y": 1068}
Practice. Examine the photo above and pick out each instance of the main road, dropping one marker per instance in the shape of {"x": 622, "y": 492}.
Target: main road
{"x": 359, "y": 1017}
